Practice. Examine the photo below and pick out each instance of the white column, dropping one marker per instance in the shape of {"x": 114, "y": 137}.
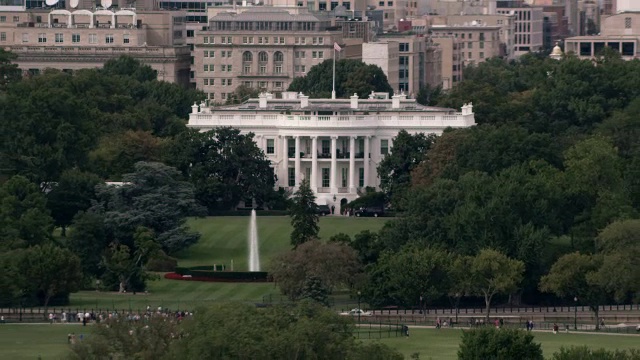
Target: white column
{"x": 366, "y": 160}
{"x": 352, "y": 164}
{"x": 297, "y": 163}
{"x": 313, "y": 182}
{"x": 334, "y": 165}
{"x": 285, "y": 162}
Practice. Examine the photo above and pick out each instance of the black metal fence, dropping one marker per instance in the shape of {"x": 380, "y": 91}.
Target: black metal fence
{"x": 379, "y": 330}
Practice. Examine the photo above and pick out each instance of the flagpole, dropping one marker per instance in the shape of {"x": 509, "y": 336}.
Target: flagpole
{"x": 333, "y": 92}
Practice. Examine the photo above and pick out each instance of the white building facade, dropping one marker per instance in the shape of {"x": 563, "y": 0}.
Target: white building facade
{"x": 336, "y": 144}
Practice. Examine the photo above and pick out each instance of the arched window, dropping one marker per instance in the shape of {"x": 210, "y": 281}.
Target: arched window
{"x": 247, "y": 56}
{"x": 277, "y": 62}
{"x": 278, "y": 57}
{"x": 263, "y": 57}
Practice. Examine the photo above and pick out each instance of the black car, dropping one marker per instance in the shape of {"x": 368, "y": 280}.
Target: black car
{"x": 369, "y": 211}
{"x": 323, "y": 210}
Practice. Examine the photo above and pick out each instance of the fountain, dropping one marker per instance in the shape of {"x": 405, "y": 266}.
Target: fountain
{"x": 254, "y": 255}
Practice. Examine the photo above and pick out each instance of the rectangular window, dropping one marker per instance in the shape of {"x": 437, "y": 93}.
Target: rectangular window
{"x": 75, "y": 38}
{"x": 205, "y": 68}
{"x": 404, "y": 47}
{"x": 292, "y": 176}
{"x": 16, "y": 19}
{"x": 42, "y": 38}
{"x": 206, "y": 82}
{"x": 246, "y": 69}
{"x": 206, "y": 39}
{"x": 360, "y": 177}
{"x": 59, "y": 38}
{"x": 3, "y": 19}
{"x": 224, "y": 96}
{"x": 277, "y": 84}
{"x": 271, "y": 147}
{"x": 108, "y": 39}
{"x": 262, "y": 84}
{"x": 291, "y": 147}
{"x": 25, "y": 37}
{"x": 125, "y": 38}
{"x": 384, "y": 146}
{"x": 3, "y": 36}
{"x": 481, "y": 55}
{"x": 206, "y": 53}
{"x": 325, "y": 177}
{"x": 93, "y": 38}
{"x": 627, "y": 23}
{"x": 326, "y": 147}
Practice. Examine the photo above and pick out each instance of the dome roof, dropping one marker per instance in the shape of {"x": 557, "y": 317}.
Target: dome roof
{"x": 557, "y": 51}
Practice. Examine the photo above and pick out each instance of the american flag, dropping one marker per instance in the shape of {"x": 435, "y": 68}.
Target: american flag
{"x": 336, "y": 47}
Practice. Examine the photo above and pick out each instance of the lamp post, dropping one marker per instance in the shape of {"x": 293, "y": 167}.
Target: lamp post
{"x": 359, "y": 309}
{"x": 575, "y": 313}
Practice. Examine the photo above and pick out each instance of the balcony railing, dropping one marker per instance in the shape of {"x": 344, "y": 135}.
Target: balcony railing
{"x": 324, "y": 190}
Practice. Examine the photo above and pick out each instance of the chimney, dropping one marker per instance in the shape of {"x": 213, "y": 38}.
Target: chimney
{"x": 395, "y": 101}
{"x": 194, "y": 108}
{"x": 354, "y": 101}
{"x": 262, "y": 100}
{"x": 304, "y": 100}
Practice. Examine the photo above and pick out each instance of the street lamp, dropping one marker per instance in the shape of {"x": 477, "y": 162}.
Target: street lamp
{"x": 575, "y": 313}
{"x": 359, "y": 309}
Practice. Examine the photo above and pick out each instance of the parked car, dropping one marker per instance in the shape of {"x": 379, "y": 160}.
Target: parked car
{"x": 323, "y": 210}
{"x": 356, "y": 312}
{"x": 369, "y": 211}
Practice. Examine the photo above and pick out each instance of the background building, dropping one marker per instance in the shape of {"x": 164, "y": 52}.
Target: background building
{"x": 528, "y": 36}
{"x": 620, "y": 32}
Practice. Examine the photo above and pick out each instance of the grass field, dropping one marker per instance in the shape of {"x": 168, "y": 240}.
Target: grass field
{"x": 223, "y": 239}
{"x": 22, "y": 342}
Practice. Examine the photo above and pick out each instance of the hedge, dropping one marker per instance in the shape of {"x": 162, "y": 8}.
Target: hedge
{"x": 188, "y": 270}
{"x": 221, "y": 276}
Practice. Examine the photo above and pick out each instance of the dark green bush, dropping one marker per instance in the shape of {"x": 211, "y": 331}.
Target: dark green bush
{"x": 162, "y": 262}
{"x": 498, "y": 344}
{"x": 585, "y": 353}
{"x": 248, "y": 213}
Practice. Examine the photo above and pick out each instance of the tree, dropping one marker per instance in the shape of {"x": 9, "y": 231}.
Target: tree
{"x": 460, "y": 283}
{"x": 11, "y": 278}
{"x": 71, "y": 194}
{"x": 315, "y": 290}
{"x": 503, "y": 344}
{"x": 352, "y": 76}
{"x": 240, "y": 331}
{"x": 409, "y": 277}
{"x": 494, "y": 273}
{"x": 586, "y": 353}
{"x": 395, "y": 168}
{"x": 9, "y": 72}
{"x": 127, "y": 266}
{"x": 127, "y": 66}
{"x": 123, "y": 339}
{"x": 241, "y": 94}
{"x": 155, "y": 197}
{"x": 224, "y": 166}
{"x": 24, "y": 217}
{"x": 315, "y": 265}
{"x": 573, "y": 276}
{"x": 50, "y": 271}
{"x": 304, "y": 215}
{"x": 429, "y": 95}
{"x": 88, "y": 240}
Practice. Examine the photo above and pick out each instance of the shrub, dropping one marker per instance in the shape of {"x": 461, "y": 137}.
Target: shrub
{"x": 585, "y": 353}
{"x": 162, "y": 262}
{"x": 494, "y": 344}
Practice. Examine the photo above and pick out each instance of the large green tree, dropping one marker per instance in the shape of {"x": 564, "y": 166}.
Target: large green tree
{"x": 224, "y": 166}
{"x": 304, "y": 215}
{"x": 352, "y": 76}
{"x": 24, "y": 217}
{"x": 395, "y": 169}
{"x": 71, "y": 194}
{"x": 155, "y": 197}
{"x": 9, "y": 72}
{"x": 503, "y": 344}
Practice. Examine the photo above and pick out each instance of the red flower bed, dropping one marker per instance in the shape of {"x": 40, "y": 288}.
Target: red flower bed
{"x": 174, "y": 276}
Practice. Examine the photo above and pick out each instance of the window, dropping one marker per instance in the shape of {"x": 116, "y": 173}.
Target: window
{"x": 93, "y": 38}
{"x": 228, "y": 67}
{"x": 263, "y": 57}
{"x": 246, "y": 69}
{"x": 224, "y": 96}
{"x": 320, "y": 54}
{"x": 212, "y": 81}
{"x": 404, "y": 46}
{"x": 345, "y": 177}
{"x": 381, "y": 3}
{"x": 278, "y": 57}
{"x": 262, "y": 84}
{"x": 206, "y": 68}
{"x": 384, "y": 146}
{"x": 481, "y": 45}
{"x": 277, "y": 69}
{"x": 271, "y": 149}
{"x": 627, "y": 23}
{"x": 206, "y": 53}
{"x": 206, "y": 39}
{"x": 481, "y": 55}
{"x": 205, "y": 82}
{"x": 125, "y": 38}
{"x": 228, "y": 82}
{"x": 3, "y": 19}
{"x": 108, "y": 39}
{"x": 277, "y": 84}
{"x": 389, "y": 3}
{"x": 292, "y": 176}
{"x": 16, "y": 19}
{"x": 190, "y": 33}
{"x": 25, "y": 37}
{"x": 75, "y": 38}
{"x": 59, "y": 38}
{"x": 326, "y": 147}
{"x": 325, "y": 177}
{"x": 224, "y": 82}
{"x": 470, "y": 45}
{"x": 360, "y": 177}
{"x": 263, "y": 69}
{"x": 247, "y": 56}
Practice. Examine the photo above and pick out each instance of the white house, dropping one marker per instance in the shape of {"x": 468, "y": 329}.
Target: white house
{"x": 335, "y": 143}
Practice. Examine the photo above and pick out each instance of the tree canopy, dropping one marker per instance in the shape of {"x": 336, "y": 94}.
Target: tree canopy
{"x": 352, "y": 77}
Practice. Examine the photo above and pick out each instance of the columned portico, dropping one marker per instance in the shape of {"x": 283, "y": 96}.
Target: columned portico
{"x": 336, "y": 144}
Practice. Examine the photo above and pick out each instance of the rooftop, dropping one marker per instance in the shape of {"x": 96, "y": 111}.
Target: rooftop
{"x": 266, "y": 14}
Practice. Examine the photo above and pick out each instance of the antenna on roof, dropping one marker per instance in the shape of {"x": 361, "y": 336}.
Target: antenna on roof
{"x": 74, "y": 3}
{"x": 106, "y": 3}
{"x": 51, "y": 2}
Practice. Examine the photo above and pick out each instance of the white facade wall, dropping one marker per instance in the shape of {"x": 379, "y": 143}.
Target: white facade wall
{"x": 336, "y": 144}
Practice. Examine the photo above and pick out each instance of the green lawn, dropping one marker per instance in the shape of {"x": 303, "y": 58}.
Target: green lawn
{"x": 223, "y": 239}
{"x": 443, "y": 344}
{"x": 18, "y": 342}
